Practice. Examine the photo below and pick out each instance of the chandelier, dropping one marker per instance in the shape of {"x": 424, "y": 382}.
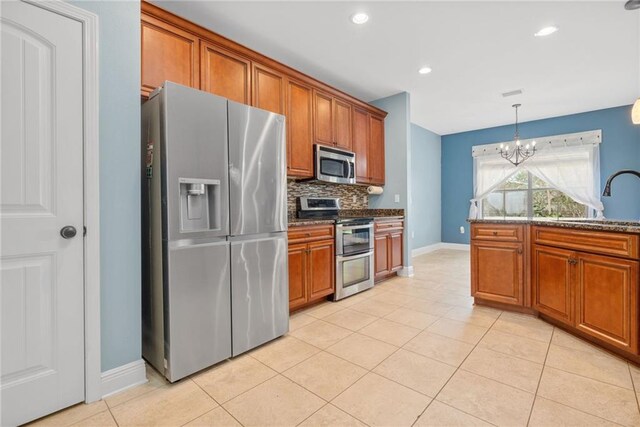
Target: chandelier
{"x": 519, "y": 153}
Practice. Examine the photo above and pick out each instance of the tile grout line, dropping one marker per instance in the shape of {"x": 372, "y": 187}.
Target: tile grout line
{"x": 544, "y": 364}
{"x": 633, "y": 384}
{"x": 371, "y": 371}
{"x": 454, "y": 373}
{"x": 113, "y": 416}
{"x": 219, "y": 404}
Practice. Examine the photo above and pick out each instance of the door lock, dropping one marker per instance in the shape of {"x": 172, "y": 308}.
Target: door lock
{"x": 68, "y": 232}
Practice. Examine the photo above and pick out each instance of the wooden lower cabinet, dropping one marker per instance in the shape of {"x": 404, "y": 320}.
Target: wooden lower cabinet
{"x": 584, "y": 281}
{"x": 552, "y": 282}
{"x": 388, "y": 248}
{"x": 606, "y": 299}
{"x": 311, "y": 265}
{"x": 395, "y": 256}
{"x": 298, "y": 295}
{"x": 497, "y": 271}
{"x": 381, "y": 256}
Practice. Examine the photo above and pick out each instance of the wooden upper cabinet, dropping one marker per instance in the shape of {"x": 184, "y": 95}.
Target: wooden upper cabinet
{"x": 376, "y": 150}
{"x": 342, "y": 124}
{"x": 225, "y": 73}
{"x": 332, "y": 121}
{"x": 323, "y": 118}
{"x": 360, "y": 142}
{"x": 268, "y": 89}
{"x": 552, "y": 278}
{"x": 299, "y": 112}
{"x": 607, "y": 300}
{"x": 168, "y": 53}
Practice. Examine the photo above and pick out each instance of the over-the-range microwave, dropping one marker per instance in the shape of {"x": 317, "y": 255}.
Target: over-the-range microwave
{"x": 334, "y": 165}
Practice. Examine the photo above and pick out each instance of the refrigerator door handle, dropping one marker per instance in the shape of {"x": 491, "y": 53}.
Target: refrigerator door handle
{"x": 191, "y": 243}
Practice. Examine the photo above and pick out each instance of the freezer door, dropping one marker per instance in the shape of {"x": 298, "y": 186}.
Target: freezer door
{"x": 257, "y": 171}
{"x": 260, "y": 291}
{"x": 198, "y": 307}
{"x": 195, "y": 163}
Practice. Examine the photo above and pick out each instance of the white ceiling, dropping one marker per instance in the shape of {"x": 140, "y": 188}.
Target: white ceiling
{"x": 477, "y": 50}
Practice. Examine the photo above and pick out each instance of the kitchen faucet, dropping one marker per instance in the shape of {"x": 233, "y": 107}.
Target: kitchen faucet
{"x": 607, "y": 187}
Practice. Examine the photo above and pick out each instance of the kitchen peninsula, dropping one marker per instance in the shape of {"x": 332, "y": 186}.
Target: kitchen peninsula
{"x": 580, "y": 275}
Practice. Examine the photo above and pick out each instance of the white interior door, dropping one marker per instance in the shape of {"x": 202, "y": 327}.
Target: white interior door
{"x": 41, "y": 151}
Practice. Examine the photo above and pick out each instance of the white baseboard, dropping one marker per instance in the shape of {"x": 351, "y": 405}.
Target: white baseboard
{"x": 123, "y": 377}
{"x": 456, "y": 246}
{"x": 437, "y": 246}
{"x": 406, "y": 271}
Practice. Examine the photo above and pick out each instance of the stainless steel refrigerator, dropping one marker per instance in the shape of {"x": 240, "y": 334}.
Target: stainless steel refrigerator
{"x": 215, "y": 279}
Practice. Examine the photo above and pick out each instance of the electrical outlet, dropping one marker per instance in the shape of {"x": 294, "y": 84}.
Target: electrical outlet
{"x": 397, "y": 198}
{"x": 461, "y": 230}
{"x": 413, "y": 235}
{"x": 364, "y": 199}
{"x": 355, "y": 199}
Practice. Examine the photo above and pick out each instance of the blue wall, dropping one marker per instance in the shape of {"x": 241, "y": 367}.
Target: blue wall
{"x": 425, "y": 187}
{"x": 397, "y": 150}
{"x": 620, "y": 149}
{"x": 119, "y": 48}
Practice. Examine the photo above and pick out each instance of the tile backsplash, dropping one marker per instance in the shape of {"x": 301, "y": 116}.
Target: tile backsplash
{"x": 320, "y": 189}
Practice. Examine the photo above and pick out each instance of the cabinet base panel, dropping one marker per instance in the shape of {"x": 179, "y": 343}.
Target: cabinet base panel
{"x": 387, "y": 277}
{"x": 311, "y": 303}
{"x": 633, "y": 358}
{"x": 503, "y": 306}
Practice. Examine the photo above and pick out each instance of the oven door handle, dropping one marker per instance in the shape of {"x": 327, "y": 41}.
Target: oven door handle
{"x": 352, "y": 257}
{"x": 354, "y": 227}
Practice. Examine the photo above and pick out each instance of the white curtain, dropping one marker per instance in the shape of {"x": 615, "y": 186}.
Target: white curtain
{"x": 573, "y": 170}
{"x": 489, "y": 172}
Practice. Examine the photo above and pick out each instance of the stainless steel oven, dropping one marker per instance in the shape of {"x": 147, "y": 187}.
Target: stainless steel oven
{"x": 334, "y": 165}
{"x": 354, "y": 256}
{"x": 354, "y": 244}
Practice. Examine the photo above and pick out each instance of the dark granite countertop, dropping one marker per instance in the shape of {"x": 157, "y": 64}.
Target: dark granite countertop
{"x": 377, "y": 214}
{"x": 299, "y": 222}
{"x": 374, "y": 213}
{"x": 622, "y": 226}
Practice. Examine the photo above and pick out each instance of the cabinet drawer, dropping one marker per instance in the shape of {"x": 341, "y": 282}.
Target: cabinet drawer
{"x": 617, "y": 244}
{"x": 502, "y": 232}
{"x": 310, "y": 233}
{"x": 382, "y": 226}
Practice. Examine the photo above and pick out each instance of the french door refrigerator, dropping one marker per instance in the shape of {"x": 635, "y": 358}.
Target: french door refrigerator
{"x": 215, "y": 281}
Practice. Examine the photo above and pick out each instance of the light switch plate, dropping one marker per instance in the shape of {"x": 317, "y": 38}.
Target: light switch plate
{"x": 397, "y": 198}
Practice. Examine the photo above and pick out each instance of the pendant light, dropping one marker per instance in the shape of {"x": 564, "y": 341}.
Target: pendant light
{"x": 519, "y": 153}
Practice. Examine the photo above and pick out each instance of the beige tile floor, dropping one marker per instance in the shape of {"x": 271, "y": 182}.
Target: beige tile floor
{"x": 411, "y": 351}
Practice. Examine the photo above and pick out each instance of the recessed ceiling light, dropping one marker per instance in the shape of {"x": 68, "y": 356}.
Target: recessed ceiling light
{"x": 359, "y": 18}
{"x": 424, "y": 70}
{"x": 546, "y": 31}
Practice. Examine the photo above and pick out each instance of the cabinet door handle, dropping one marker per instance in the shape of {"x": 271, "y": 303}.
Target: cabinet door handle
{"x": 519, "y": 251}
{"x": 495, "y": 233}
{"x": 573, "y": 261}
{"x": 308, "y": 234}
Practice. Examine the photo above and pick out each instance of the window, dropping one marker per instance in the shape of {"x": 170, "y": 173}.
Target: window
{"x": 526, "y": 195}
